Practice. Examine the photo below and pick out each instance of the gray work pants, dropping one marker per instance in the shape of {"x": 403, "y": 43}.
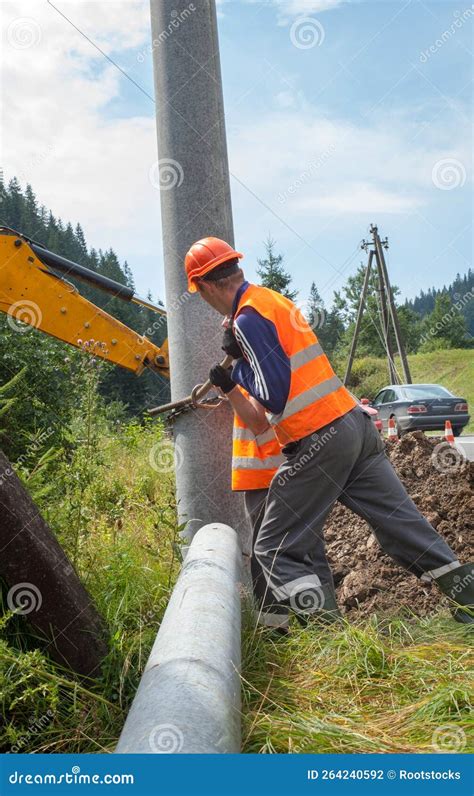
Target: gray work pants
{"x": 277, "y": 616}
{"x": 343, "y": 461}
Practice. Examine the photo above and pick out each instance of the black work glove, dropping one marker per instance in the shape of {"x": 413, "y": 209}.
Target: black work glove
{"x": 220, "y": 377}
{"x": 230, "y": 344}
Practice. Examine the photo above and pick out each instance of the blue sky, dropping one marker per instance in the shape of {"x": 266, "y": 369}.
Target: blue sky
{"x": 338, "y": 115}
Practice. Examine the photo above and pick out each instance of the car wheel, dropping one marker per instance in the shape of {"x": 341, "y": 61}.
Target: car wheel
{"x": 457, "y": 431}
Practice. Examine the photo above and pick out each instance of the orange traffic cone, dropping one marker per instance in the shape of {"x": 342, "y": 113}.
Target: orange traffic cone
{"x": 392, "y": 430}
{"x": 448, "y": 432}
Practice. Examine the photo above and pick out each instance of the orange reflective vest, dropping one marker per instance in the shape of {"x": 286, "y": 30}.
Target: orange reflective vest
{"x": 316, "y": 396}
{"x": 255, "y": 460}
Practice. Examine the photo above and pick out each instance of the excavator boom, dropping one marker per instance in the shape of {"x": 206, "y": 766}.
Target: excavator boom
{"x": 33, "y": 293}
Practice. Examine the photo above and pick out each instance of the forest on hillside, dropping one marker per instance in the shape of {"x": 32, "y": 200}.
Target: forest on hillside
{"x": 51, "y": 369}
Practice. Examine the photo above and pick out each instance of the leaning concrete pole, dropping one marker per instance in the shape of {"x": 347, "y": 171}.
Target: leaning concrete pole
{"x": 195, "y": 199}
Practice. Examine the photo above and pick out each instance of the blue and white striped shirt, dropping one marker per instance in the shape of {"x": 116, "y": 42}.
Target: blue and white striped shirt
{"x": 264, "y": 370}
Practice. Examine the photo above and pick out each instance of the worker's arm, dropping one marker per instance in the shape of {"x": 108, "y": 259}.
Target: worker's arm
{"x": 248, "y": 409}
{"x": 264, "y": 370}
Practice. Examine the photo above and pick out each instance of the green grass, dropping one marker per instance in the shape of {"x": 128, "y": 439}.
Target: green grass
{"x": 453, "y": 368}
{"x": 120, "y": 529}
{"x": 374, "y": 686}
{"x": 401, "y": 685}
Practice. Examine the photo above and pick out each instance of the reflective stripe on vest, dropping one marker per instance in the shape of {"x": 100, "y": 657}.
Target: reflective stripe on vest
{"x": 254, "y": 459}
{"x": 307, "y": 398}
{"x": 316, "y": 396}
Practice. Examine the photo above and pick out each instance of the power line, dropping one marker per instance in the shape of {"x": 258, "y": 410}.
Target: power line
{"x": 104, "y": 54}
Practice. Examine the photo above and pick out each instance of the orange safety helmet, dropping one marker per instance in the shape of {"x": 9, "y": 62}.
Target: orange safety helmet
{"x": 205, "y": 255}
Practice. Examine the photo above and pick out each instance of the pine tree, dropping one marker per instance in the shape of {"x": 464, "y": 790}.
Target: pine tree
{"x": 326, "y": 324}
{"x": 316, "y": 311}
{"x": 271, "y": 272}
{"x": 445, "y": 327}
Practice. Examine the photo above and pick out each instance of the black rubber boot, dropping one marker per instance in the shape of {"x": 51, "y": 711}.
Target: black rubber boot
{"x": 458, "y": 585}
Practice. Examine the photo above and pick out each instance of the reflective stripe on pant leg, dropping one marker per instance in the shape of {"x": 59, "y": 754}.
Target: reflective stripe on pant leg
{"x": 290, "y": 544}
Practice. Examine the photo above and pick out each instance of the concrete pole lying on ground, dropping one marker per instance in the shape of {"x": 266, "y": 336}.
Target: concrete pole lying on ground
{"x": 193, "y": 178}
{"x": 42, "y": 584}
{"x": 188, "y": 700}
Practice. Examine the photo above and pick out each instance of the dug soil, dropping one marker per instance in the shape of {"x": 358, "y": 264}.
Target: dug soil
{"x": 439, "y": 480}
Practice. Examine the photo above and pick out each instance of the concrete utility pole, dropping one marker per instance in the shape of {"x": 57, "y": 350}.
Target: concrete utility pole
{"x": 193, "y": 177}
{"x": 188, "y": 700}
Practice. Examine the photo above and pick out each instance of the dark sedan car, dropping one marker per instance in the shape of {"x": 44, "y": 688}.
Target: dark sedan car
{"x": 423, "y": 407}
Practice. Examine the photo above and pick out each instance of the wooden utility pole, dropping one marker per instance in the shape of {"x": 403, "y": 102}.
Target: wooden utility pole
{"x": 387, "y": 310}
{"x": 360, "y": 312}
{"x": 379, "y": 247}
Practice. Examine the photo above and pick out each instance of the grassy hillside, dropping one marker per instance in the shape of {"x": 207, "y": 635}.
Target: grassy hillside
{"x": 453, "y": 368}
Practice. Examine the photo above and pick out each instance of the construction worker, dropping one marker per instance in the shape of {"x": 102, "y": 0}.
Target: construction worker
{"x": 331, "y": 448}
{"x": 255, "y": 460}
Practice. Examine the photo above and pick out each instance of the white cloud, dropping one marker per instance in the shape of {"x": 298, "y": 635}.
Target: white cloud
{"x": 289, "y": 9}
{"x": 58, "y": 132}
{"x": 299, "y": 161}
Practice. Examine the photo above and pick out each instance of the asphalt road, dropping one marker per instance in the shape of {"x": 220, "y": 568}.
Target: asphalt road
{"x": 466, "y": 444}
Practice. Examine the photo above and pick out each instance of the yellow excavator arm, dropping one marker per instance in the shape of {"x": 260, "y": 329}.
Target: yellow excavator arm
{"x": 33, "y": 292}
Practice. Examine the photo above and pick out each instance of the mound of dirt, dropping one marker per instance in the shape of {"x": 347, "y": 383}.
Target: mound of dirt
{"x": 439, "y": 480}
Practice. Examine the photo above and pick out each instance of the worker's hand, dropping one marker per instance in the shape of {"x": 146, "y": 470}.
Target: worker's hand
{"x": 230, "y": 344}
{"x": 220, "y": 377}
